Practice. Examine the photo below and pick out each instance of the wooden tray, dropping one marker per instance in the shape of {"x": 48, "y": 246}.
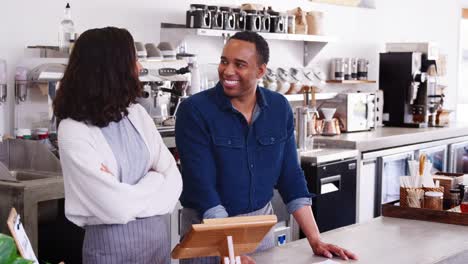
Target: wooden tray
{"x": 447, "y": 217}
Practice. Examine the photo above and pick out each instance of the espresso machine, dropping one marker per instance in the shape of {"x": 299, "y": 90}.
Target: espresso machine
{"x": 408, "y": 78}
{"x": 165, "y": 84}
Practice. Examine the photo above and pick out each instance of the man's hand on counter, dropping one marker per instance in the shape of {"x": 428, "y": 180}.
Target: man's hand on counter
{"x": 328, "y": 250}
{"x": 305, "y": 219}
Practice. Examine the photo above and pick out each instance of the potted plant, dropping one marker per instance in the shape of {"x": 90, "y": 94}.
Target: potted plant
{"x": 9, "y": 253}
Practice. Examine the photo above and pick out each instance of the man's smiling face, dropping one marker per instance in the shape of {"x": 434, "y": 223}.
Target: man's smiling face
{"x": 239, "y": 69}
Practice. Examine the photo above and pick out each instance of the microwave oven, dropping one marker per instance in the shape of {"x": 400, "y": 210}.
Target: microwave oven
{"x": 355, "y": 111}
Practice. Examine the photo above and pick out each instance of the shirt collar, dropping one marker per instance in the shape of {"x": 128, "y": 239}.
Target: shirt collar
{"x": 225, "y": 104}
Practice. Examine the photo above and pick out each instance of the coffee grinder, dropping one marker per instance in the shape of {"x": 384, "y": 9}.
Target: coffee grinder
{"x": 408, "y": 78}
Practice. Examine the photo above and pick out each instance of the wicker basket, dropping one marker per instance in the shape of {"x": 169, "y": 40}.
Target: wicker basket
{"x": 404, "y": 194}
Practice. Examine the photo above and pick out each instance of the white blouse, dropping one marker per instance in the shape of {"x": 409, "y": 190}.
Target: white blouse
{"x": 94, "y": 194}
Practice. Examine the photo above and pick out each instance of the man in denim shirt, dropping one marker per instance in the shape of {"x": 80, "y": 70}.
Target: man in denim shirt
{"x": 236, "y": 144}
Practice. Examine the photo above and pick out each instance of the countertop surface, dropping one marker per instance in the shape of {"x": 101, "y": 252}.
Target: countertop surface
{"x": 387, "y": 137}
{"x": 324, "y": 155}
{"x": 383, "y": 240}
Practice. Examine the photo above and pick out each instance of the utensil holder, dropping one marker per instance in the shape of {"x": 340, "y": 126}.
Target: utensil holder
{"x": 404, "y": 194}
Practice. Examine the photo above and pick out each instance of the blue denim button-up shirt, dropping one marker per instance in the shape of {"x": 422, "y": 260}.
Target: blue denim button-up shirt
{"x": 225, "y": 161}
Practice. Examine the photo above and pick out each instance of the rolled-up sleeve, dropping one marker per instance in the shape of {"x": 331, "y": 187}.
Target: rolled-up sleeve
{"x": 291, "y": 183}
{"x": 193, "y": 143}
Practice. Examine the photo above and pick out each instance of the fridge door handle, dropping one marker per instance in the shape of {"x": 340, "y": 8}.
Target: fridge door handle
{"x": 330, "y": 184}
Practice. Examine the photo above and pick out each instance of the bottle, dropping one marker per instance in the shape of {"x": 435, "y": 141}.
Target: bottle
{"x": 72, "y": 44}
{"x": 67, "y": 29}
{"x": 195, "y": 77}
{"x": 464, "y": 203}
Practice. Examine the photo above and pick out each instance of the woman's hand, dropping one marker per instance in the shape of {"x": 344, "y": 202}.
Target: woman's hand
{"x": 328, "y": 250}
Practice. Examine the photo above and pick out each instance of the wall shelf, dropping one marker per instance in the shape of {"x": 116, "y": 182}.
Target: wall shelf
{"x": 313, "y": 44}
{"x": 350, "y": 81}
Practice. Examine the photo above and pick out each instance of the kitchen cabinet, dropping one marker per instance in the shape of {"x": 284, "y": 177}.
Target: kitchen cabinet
{"x": 367, "y": 186}
{"x": 458, "y": 157}
{"x": 313, "y": 44}
{"x": 380, "y": 172}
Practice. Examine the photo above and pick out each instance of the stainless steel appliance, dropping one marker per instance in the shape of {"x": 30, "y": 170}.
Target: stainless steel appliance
{"x": 334, "y": 183}
{"x": 356, "y": 111}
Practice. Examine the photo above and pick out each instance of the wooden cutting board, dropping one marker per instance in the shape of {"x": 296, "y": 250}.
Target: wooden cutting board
{"x": 209, "y": 238}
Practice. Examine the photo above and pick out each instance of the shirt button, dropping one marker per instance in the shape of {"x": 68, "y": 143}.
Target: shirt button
{"x": 272, "y": 139}
{"x": 229, "y": 142}
{"x": 251, "y": 165}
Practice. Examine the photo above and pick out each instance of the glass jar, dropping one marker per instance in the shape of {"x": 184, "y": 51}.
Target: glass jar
{"x": 461, "y": 187}
{"x": 454, "y": 198}
{"x": 433, "y": 200}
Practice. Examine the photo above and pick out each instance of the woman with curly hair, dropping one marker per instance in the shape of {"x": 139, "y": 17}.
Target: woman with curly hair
{"x": 120, "y": 179}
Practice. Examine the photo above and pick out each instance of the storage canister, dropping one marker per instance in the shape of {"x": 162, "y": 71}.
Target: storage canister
{"x": 217, "y": 21}
{"x": 433, "y": 200}
{"x": 198, "y": 17}
{"x": 314, "y": 23}
{"x": 240, "y": 18}
{"x": 254, "y": 21}
{"x": 229, "y": 18}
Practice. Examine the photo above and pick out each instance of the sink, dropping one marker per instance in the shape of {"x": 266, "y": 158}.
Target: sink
{"x": 24, "y": 175}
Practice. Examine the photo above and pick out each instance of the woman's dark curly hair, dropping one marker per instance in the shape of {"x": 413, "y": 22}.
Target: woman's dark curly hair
{"x": 101, "y": 79}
